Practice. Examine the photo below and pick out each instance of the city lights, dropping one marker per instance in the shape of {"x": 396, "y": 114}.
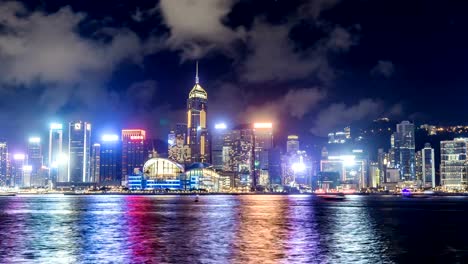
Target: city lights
{"x": 19, "y": 156}
{"x": 298, "y": 167}
{"x": 27, "y": 168}
{"x": 110, "y": 137}
{"x": 55, "y": 126}
{"x": 34, "y": 140}
{"x": 263, "y": 125}
{"x": 220, "y": 126}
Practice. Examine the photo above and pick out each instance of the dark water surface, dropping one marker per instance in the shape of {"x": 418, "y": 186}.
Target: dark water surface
{"x": 232, "y": 229}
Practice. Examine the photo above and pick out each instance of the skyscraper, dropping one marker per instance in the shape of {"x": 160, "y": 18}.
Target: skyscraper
{"x": 292, "y": 145}
{"x": 453, "y": 163}
{"x": 4, "y": 181}
{"x": 17, "y": 166}
{"x": 263, "y": 133}
{"x": 135, "y": 151}
{"x": 56, "y": 160}
{"x": 95, "y": 162}
{"x": 79, "y": 148}
{"x": 405, "y": 150}
{"x": 197, "y": 132}
{"x": 110, "y": 165}
{"x": 217, "y": 143}
{"x": 428, "y": 166}
{"x": 34, "y": 159}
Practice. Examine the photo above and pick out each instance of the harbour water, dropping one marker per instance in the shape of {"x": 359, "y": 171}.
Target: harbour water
{"x": 232, "y": 229}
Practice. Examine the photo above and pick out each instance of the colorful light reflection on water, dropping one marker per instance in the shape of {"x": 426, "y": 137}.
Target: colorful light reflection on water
{"x": 231, "y": 229}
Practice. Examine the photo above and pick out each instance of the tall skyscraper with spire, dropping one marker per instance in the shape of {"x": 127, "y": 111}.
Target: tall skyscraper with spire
{"x": 197, "y": 132}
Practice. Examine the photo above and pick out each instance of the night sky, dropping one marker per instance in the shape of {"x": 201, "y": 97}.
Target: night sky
{"x": 309, "y": 66}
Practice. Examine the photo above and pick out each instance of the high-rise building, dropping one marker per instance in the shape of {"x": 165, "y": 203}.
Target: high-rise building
{"x": 292, "y": 145}
{"x": 135, "y": 151}
{"x": 95, "y": 162}
{"x": 57, "y": 160}
{"x": 17, "y": 166}
{"x": 418, "y": 165}
{"x": 79, "y": 148}
{"x": 110, "y": 165}
{"x": 428, "y": 166}
{"x": 34, "y": 159}
{"x": 217, "y": 143}
{"x": 263, "y": 140}
{"x": 238, "y": 156}
{"x": 404, "y": 143}
{"x": 4, "y": 180}
{"x": 197, "y": 131}
{"x": 453, "y": 164}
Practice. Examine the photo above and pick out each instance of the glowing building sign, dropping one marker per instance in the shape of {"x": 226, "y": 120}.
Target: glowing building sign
{"x": 55, "y": 126}
{"x": 34, "y": 140}
{"x": 220, "y": 126}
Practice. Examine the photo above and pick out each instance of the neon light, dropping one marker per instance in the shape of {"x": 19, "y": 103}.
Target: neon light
{"x": 110, "y": 138}
{"x": 136, "y": 137}
{"x": 55, "y": 126}
{"x": 34, "y": 140}
{"x": 77, "y": 126}
{"x": 263, "y": 125}
{"x": 220, "y": 126}
{"x": 19, "y": 156}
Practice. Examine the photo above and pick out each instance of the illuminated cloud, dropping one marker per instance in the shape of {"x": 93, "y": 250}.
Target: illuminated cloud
{"x": 383, "y": 68}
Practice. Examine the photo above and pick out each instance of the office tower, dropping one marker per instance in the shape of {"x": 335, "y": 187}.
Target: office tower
{"x": 418, "y": 165}
{"x": 404, "y": 150}
{"x": 57, "y": 160}
{"x": 4, "y": 180}
{"x": 263, "y": 139}
{"x": 95, "y": 162}
{"x": 428, "y": 166}
{"x": 292, "y": 145}
{"x": 110, "y": 166}
{"x": 34, "y": 159}
{"x": 274, "y": 168}
{"x": 238, "y": 156}
{"x": 135, "y": 151}
{"x": 453, "y": 164}
{"x": 17, "y": 166}
{"x": 197, "y": 132}
{"x": 217, "y": 143}
{"x": 171, "y": 140}
{"x": 79, "y": 148}
{"x": 374, "y": 175}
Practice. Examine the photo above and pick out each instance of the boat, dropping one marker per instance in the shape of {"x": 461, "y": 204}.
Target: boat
{"x": 7, "y": 194}
{"x": 333, "y": 196}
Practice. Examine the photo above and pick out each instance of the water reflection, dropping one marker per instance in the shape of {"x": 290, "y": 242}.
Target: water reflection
{"x": 230, "y": 229}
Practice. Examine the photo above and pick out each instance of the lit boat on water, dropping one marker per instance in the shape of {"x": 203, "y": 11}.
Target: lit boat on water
{"x": 332, "y": 196}
{"x": 7, "y": 194}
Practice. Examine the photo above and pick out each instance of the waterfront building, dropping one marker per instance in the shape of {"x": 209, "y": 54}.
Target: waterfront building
{"x": 292, "y": 145}
{"x": 57, "y": 160}
{"x": 34, "y": 160}
{"x": 79, "y": 148}
{"x": 263, "y": 141}
{"x": 197, "y": 131}
{"x": 351, "y": 168}
{"x": 428, "y": 166}
{"x": 404, "y": 147}
{"x": 374, "y": 175}
{"x": 418, "y": 165}
{"x": 110, "y": 158}
{"x": 217, "y": 142}
{"x": 135, "y": 151}
{"x": 95, "y": 162}
{"x": 17, "y": 165}
{"x": 453, "y": 164}
{"x": 4, "y": 179}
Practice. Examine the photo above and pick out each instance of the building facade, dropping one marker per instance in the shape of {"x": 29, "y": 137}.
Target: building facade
{"x": 79, "y": 148}
{"x": 428, "y": 166}
{"x": 197, "y": 130}
{"x": 453, "y": 164}
{"x": 34, "y": 159}
{"x": 110, "y": 161}
{"x": 135, "y": 151}
{"x": 292, "y": 145}
{"x": 4, "y": 179}
{"x": 404, "y": 146}
{"x": 57, "y": 162}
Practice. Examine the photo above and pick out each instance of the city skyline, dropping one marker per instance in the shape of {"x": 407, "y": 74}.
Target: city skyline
{"x": 324, "y": 64}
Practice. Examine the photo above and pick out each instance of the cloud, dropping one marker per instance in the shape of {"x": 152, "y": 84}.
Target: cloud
{"x": 196, "y": 27}
{"x": 294, "y": 104}
{"x": 383, "y": 68}
{"x": 273, "y": 55}
{"x": 313, "y": 8}
{"x": 339, "y": 114}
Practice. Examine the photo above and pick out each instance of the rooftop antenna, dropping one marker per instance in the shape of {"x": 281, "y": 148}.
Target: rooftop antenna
{"x": 197, "y": 80}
